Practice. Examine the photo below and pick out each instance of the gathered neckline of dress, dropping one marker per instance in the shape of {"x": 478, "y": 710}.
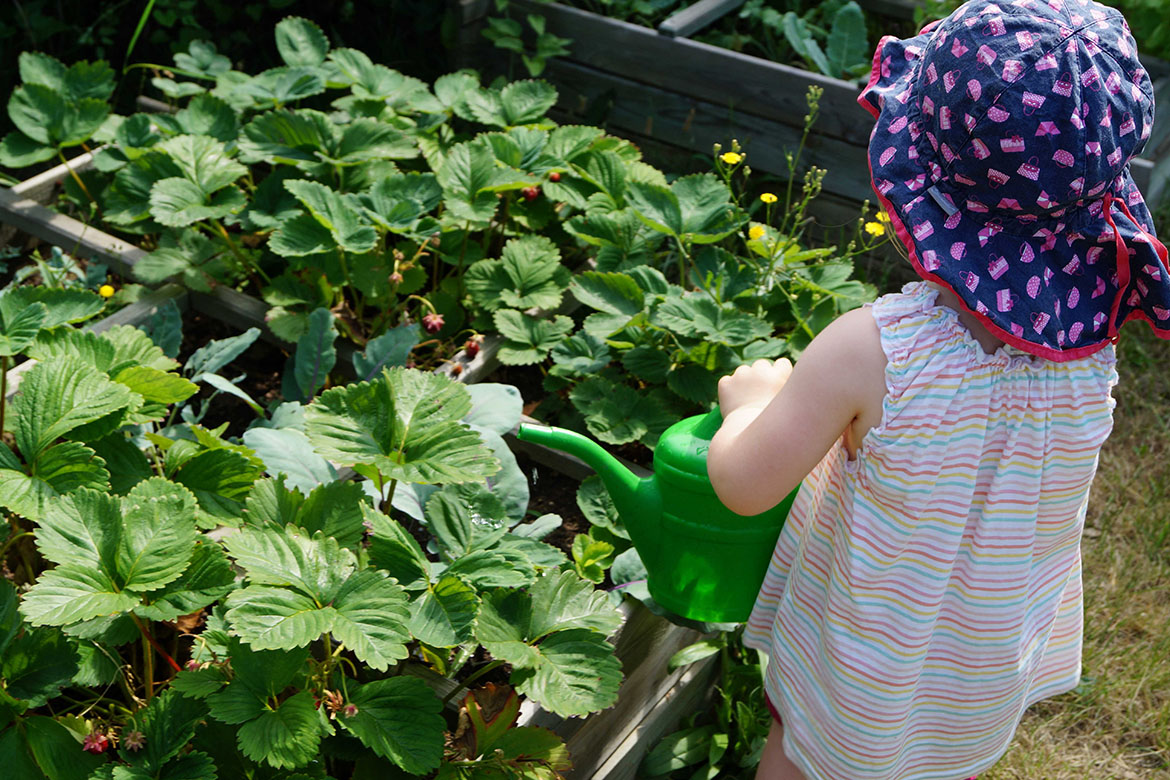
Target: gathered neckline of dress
{"x": 1011, "y": 358}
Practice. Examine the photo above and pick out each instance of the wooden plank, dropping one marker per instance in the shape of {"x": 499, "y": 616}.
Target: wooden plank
{"x": 895, "y": 9}
{"x": 69, "y": 234}
{"x": 141, "y": 311}
{"x": 696, "y": 16}
{"x": 695, "y": 124}
{"x": 737, "y": 83}
{"x": 682, "y": 697}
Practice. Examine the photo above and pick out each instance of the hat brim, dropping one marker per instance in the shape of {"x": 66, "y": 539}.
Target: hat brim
{"x": 1070, "y": 290}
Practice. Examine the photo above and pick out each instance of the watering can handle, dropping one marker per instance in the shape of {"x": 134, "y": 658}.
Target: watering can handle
{"x": 710, "y": 423}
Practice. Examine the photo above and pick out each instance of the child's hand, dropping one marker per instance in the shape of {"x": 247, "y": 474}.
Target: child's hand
{"x": 753, "y": 385}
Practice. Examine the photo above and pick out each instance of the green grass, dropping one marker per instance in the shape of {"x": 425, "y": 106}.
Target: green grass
{"x": 1117, "y": 723}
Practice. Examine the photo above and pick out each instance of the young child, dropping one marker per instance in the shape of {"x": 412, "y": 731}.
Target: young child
{"x": 926, "y": 588}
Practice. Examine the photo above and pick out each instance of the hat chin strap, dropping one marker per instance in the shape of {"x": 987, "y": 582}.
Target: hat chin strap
{"x": 1122, "y": 259}
{"x": 1123, "y": 271}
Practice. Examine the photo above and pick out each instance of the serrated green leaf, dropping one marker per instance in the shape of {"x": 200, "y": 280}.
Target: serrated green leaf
{"x": 84, "y": 528}
{"x": 287, "y": 137}
{"x": 58, "y": 396}
{"x": 237, "y": 703}
{"x": 526, "y": 102}
{"x": 47, "y": 117}
{"x": 315, "y": 566}
{"x": 18, "y": 327}
{"x": 393, "y": 549}
{"x": 300, "y": 236}
{"x": 285, "y": 736}
{"x": 219, "y": 478}
{"x": 199, "y": 683}
{"x": 203, "y": 161}
{"x": 167, "y": 725}
{"x": 177, "y": 202}
{"x": 528, "y": 339}
{"x": 398, "y": 718}
{"x": 158, "y": 535}
{"x": 444, "y": 614}
{"x": 207, "y": 578}
{"x": 272, "y": 618}
{"x": 157, "y": 386}
{"x": 278, "y": 87}
{"x": 300, "y": 42}
{"x": 201, "y": 57}
{"x": 371, "y": 616}
{"x": 501, "y": 567}
{"x": 193, "y": 258}
{"x": 613, "y": 293}
{"x": 405, "y": 424}
{"x": 57, "y": 471}
{"x": 346, "y": 225}
{"x": 617, "y": 414}
{"x": 17, "y": 150}
{"x": 37, "y": 664}
{"x": 334, "y": 509}
{"x": 464, "y": 518}
{"x": 40, "y": 68}
{"x": 647, "y": 362}
{"x": 528, "y": 274}
{"x": 71, "y": 593}
{"x": 698, "y": 316}
{"x": 205, "y": 114}
{"x": 56, "y": 750}
{"x": 577, "y": 674}
{"x": 564, "y": 601}
{"x": 398, "y": 202}
{"x": 464, "y": 175}
{"x": 695, "y": 208}
{"x": 581, "y": 354}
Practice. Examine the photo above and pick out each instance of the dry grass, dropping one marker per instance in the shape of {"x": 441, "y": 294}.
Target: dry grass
{"x": 1117, "y": 723}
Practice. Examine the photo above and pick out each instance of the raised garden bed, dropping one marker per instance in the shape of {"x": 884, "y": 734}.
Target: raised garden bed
{"x": 651, "y": 700}
{"x": 690, "y": 95}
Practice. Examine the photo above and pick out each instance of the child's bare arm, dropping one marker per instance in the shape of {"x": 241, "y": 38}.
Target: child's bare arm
{"x": 779, "y": 421}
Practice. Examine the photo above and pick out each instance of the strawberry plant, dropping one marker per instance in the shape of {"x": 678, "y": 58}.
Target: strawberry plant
{"x": 182, "y": 603}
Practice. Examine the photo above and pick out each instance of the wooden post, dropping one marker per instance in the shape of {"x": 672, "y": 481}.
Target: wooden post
{"x": 696, "y": 16}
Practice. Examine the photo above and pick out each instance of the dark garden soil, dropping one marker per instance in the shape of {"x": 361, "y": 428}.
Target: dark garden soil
{"x": 263, "y": 363}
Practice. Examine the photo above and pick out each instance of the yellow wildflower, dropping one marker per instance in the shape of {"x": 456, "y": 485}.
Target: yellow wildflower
{"x": 756, "y": 232}
{"x": 875, "y": 228}
{"x": 731, "y": 158}
{"x": 883, "y": 217}
{"x": 768, "y": 197}
{"x": 106, "y": 290}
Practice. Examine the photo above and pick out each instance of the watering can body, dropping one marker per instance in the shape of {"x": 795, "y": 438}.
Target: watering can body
{"x": 703, "y": 561}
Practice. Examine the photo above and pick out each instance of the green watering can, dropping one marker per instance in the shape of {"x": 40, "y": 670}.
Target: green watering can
{"x": 703, "y": 561}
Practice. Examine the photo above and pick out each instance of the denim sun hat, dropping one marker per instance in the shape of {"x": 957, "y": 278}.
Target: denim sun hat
{"x": 1001, "y": 154}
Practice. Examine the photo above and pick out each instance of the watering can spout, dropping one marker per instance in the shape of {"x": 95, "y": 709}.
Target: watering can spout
{"x": 637, "y": 499}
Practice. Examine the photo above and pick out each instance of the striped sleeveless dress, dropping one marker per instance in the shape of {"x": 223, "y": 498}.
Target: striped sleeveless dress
{"x": 923, "y": 595}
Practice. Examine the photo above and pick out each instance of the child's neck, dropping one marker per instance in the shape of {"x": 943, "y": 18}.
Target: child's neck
{"x": 986, "y": 340}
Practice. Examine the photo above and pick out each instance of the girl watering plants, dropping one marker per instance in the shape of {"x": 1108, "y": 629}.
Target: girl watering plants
{"x": 926, "y": 588}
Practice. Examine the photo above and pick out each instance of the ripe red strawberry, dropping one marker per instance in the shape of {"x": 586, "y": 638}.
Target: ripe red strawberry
{"x": 530, "y": 193}
{"x": 554, "y": 176}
